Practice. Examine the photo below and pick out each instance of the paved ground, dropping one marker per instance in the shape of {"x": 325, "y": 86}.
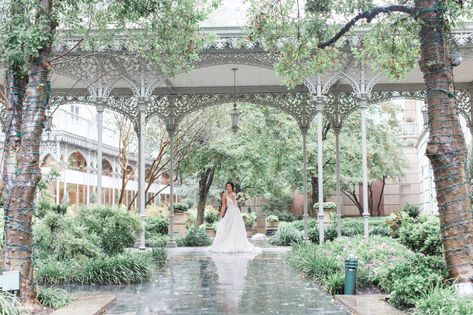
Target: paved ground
{"x": 196, "y": 282}
{"x": 368, "y": 304}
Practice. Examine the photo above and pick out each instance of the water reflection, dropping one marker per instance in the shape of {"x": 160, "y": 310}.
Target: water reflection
{"x": 231, "y": 270}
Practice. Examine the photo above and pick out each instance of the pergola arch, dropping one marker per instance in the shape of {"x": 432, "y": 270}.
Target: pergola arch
{"x": 172, "y": 109}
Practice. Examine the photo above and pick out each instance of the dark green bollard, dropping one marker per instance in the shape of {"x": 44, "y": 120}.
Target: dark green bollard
{"x": 351, "y": 263}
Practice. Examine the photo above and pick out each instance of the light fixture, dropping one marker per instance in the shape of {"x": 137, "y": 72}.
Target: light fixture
{"x": 49, "y": 123}
{"x": 235, "y": 114}
{"x": 425, "y": 117}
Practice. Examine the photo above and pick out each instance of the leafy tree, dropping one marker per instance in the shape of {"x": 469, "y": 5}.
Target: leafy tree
{"x": 383, "y": 144}
{"x": 164, "y": 31}
{"x": 305, "y": 40}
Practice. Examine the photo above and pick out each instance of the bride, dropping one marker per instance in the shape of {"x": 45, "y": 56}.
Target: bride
{"x": 231, "y": 232}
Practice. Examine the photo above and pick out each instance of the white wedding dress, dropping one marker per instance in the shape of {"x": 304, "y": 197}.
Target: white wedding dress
{"x": 231, "y": 233}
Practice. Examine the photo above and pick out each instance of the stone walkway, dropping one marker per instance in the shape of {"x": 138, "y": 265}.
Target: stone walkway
{"x": 195, "y": 282}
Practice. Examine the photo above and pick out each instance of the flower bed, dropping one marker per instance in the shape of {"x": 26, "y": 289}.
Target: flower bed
{"x": 382, "y": 263}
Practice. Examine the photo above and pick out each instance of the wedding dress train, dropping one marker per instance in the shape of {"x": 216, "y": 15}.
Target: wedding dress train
{"x": 231, "y": 233}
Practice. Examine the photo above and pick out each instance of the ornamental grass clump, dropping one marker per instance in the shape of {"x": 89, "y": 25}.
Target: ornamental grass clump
{"x": 9, "y": 304}
{"x": 441, "y": 301}
{"x": 54, "y": 297}
{"x": 286, "y": 235}
{"x": 325, "y": 263}
{"x": 194, "y": 237}
{"x": 120, "y": 269}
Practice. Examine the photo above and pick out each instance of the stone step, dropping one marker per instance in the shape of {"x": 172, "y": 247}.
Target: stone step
{"x": 87, "y": 305}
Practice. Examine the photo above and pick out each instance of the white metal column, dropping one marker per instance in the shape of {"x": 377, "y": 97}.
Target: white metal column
{"x": 336, "y": 130}
{"x": 364, "y": 163}
{"x": 304, "y": 130}
{"x": 141, "y": 172}
{"x": 172, "y": 242}
{"x": 321, "y": 216}
{"x": 58, "y": 158}
{"x": 100, "y": 109}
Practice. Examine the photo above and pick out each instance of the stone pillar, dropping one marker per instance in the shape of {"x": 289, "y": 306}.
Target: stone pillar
{"x": 304, "y": 130}
{"x": 364, "y": 162}
{"x": 100, "y": 109}
{"x": 141, "y": 171}
{"x": 320, "y": 108}
{"x": 336, "y": 128}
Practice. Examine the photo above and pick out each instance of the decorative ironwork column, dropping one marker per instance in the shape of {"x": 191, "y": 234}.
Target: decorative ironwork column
{"x": 100, "y": 108}
{"x": 171, "y": 130}
{"x": 304, "y": 130}
{"x": 364, "y": 162}
{"x": 336, "y": 129}
{"x": 58, "y": 158}
{"x": 320, "y": 100}
{"x": 141, "y": 170}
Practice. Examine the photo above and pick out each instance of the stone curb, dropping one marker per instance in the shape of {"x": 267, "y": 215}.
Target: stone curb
{"x": 88, "y": 305}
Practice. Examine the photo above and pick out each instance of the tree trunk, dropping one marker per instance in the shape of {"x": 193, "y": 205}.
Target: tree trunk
{"x": 446, "y": 147}
{"x": 16, "y": 84}
{"x": 314, "y": 180}
{"x": 205, "y": 182}
{"x": 352, "y": 196}
{"x": 378, "y": 206}
{"x": 18, "y": 238}
{"x": 18, "y": 235}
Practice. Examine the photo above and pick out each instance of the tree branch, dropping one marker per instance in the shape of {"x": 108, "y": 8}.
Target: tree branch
{"x": 368, "y": 16}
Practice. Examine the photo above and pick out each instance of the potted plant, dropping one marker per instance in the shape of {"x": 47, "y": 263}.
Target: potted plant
{"x": 273, "y": 221}
{"x": 180, "y": 213}
{"x": 210, "y": 222}
{"x": 210, "y": 229}
{"x": 329, "y": 210}
{"x": 250, "y": 219}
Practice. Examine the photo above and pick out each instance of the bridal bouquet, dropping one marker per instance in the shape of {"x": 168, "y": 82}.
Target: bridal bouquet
{"x": 241, "y": 198}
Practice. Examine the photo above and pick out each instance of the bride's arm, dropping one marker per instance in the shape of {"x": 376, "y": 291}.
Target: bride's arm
{"x": 224, "y": 205}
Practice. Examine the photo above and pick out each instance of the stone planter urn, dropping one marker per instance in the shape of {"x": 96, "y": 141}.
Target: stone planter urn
{"x": 272, "y": 224}
{"x": 261, "y": 224}
{"x": 210, "y": 232}
{"x": 180, "y": 217}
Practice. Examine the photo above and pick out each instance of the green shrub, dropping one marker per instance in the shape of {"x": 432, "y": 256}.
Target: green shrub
{"x": 286, "y": 235}
{"x": 54, "y": 297}
{"x": 117, "y": 228}
{"x": 195, "y": 236}
{"x": 157, "y": 241}
{"x": 210, "y": 216}
{"x": 159, "y": 256}
{"x": 375, "y": 256}
{"x": 285, "y": 216}
{"x": 408, "y": 280}
{"x": 182, "y": 206}
{"x": 60, "y": 209}
{"x": 422, "y": 235}
{"x": 272, "y": 218}
{"x": 355, "y": 226}
{"x": 9, "y": 304}
{"x": 156, "y": 226}
{"x": 43, "y": 206}
{"x": 442, "y": 301}
{"x": 121, "y": 269}
{"x": 58, "y": 237}
{"x": 326, "y": 205}
{"x": 411, "y": 210}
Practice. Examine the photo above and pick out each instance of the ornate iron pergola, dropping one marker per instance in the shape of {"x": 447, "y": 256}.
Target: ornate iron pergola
{"x": 114, "y": 79}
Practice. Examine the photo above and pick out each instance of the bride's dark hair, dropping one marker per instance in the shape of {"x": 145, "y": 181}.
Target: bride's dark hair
{"x": 231, "y": 184}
